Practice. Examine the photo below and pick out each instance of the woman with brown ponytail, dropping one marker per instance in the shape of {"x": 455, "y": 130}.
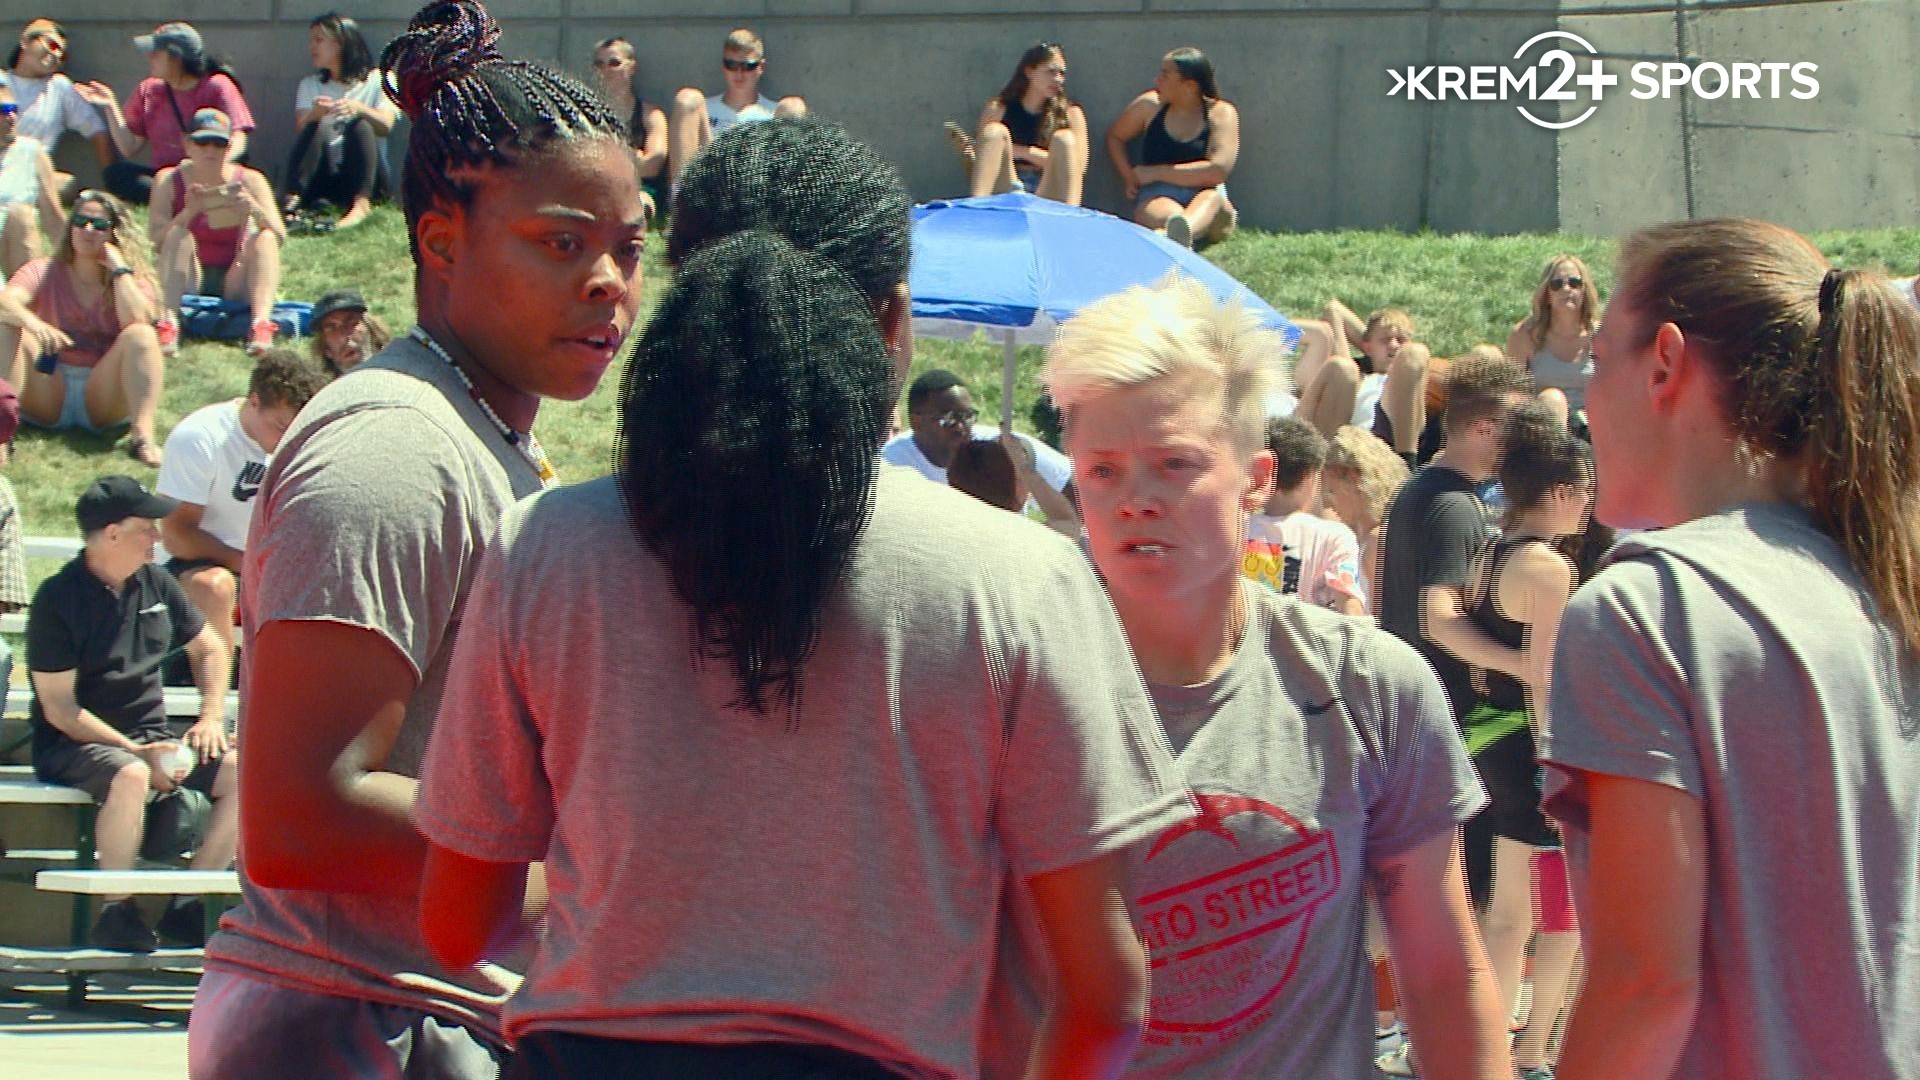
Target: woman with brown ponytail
{"x": 1734, "y": 755}
{"x": 524, "y": 216}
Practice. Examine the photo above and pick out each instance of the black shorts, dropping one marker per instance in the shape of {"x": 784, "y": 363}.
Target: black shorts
{"x": 91, "y": 766}
{"x": 1510, "y": 769}
{"x": 554, "y": 1055}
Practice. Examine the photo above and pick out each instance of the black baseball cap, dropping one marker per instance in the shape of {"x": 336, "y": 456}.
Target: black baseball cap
{"x": 338, "y": 300}
{"x": 113, "y": 499}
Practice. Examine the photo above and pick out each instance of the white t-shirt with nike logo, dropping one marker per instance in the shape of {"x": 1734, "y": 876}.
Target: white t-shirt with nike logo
{"x": 210, "y": 462}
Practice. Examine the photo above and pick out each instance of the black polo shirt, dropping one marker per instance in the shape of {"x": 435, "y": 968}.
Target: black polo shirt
{"x": 113, "y": 644}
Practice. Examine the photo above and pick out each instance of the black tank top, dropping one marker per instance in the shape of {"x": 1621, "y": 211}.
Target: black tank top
{"x": 1503, "y": 690}
{"x": 1022, "y": 126}
{"x": 1159, "y": 148}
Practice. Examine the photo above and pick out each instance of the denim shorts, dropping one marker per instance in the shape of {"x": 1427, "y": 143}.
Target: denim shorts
{"x": 1160, "y": 189}
{"x": 73, "y": 411}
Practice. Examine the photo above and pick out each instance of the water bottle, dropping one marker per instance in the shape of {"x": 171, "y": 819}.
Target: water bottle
{"x": 182, "y": 760}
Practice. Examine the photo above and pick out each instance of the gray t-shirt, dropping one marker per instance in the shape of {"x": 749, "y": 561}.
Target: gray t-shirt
{"x": 1325, "y": 745}
{"x": 373, "y": 513}
{"x": 1740, "y": 659}
{"x": 971, "y": 715}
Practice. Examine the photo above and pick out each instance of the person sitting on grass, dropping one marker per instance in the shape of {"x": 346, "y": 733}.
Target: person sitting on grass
{"x": 218, "y": 233}
{"x": 50, "y": 106}
{"x": 697, "y": 118}
{"x": 1555, "y": 340}
{"x": 97, "y": 633}
{"x": 76, "y": 329}
{"x": 29, "y": 194}
{"x": 182, "y": 78}
{"x": 1386, "y": 384}
{"x": 1031, "y": 136}
{"x": 345, "y": 333}
{"x": 1189, "y": 142}
{"x": 342, "y": 113}
{"x": 614, "y": 70}
{"x": 940, "y": 418}
{"x": 215, "y": 460}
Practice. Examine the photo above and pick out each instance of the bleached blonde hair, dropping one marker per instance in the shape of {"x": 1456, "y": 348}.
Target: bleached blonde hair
{"x": 1174, "y": 329}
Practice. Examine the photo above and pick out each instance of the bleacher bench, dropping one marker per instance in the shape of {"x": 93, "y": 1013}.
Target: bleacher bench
{"x": 71, "y": 871}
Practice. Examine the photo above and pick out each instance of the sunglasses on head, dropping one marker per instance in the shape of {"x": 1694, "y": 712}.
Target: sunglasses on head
{"x": 91, "y": 222}
{"x": 1566, "y": 283}
{"x": 741, "y": 65}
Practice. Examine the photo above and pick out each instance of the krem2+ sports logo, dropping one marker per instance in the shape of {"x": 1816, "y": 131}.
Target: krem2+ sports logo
{"x": 1558, "y": 75}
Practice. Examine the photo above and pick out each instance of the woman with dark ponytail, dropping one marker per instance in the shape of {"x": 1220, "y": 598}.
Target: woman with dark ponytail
{"x": 1734, "y": 753}
{"x": 525, "y": 220}
{"x": 778, "y": 743}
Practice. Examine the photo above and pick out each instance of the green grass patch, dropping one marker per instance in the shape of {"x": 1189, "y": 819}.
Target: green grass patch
{"x": 1462, "y": 289}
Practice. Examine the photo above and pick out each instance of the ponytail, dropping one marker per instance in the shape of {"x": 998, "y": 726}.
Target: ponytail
{"x": 1864, "y": 429}
{"x": 748, "y": 424}
{"x": 1812, "y": 361}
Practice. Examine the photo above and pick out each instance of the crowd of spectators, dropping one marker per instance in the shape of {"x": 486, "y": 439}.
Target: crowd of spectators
{"x": 1338, "y": 697}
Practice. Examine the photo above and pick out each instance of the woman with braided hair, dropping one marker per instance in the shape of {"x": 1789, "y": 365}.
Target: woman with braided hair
{"x": 526, "y": 228}
{"x": 1734, "y": 747}
{"x": 778, "y": 810}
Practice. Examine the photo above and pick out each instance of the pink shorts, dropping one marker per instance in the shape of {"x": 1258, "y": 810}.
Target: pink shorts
{"x": 1552, "y": 893}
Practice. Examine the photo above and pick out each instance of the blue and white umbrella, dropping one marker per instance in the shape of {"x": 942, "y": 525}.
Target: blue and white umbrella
{"x": 1019, "y": 266}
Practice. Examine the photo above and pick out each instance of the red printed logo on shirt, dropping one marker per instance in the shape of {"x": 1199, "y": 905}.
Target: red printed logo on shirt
{"x": 1225, "y": 944}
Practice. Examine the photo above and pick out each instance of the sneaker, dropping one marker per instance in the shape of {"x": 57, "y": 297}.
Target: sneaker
{"x": 185, "y": 923}
{"x": 1398, "y": 1063}
{"x": 1180, "y": 230}
{"x": 261, "y": 338}
{"x": 167, "y": 328}
{"x": 120, "y": 927}
{"x": 1387, "y": 1040}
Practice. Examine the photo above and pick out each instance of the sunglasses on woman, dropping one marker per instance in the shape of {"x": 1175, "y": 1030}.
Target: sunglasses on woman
{"x": 1566, "y": 283}
{"x": 91, "y": 223}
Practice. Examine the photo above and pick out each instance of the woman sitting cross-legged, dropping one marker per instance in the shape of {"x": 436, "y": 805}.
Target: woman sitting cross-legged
{"x": 1032, "y": 137}
{"x": 342, "y": 113}
{"x": 217, "y": 231}
{"x": 84, "y": 317}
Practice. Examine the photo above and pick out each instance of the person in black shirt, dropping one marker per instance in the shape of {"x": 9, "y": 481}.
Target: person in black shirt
{"x": 96, "y": 635}
{"x": 1433, "y": 530}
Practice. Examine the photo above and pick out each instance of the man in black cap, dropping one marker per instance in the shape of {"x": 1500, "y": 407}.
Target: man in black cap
{"x": 344, "y": 333}
{"x": 96, "y": 635}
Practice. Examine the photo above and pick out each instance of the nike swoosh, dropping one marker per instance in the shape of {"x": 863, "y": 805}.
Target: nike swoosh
{"x": 1315, "y": 710}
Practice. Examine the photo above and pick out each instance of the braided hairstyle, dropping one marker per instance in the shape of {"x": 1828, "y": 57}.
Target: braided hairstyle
{"x": 473, "y": 108}
{"x": 758, "y": 397}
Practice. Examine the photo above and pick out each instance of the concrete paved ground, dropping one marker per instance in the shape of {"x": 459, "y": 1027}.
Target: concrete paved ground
{"x": 134, "y": 1028}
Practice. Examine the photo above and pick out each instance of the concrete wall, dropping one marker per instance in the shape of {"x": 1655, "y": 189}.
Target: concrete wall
{"x": 1323, "y": 145}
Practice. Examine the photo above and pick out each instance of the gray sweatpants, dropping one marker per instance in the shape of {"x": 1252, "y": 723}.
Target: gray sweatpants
{"x": 248, "y": 1028}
